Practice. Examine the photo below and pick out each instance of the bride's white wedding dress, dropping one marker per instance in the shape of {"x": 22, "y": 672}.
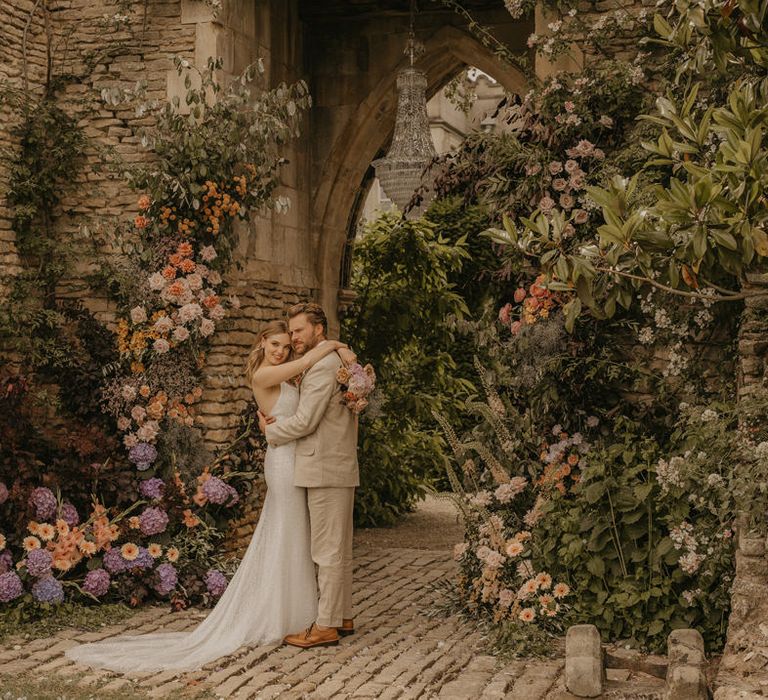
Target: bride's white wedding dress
{"x": 273, "y": 592}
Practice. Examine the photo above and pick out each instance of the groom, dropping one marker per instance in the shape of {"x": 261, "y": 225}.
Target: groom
{"x": 325, "y": 432}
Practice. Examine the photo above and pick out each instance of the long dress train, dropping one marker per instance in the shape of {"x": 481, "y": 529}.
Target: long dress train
{"x": 273, "y": 592}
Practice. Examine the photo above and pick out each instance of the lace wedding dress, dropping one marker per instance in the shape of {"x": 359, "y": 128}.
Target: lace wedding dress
{"x": 273, "y": 592}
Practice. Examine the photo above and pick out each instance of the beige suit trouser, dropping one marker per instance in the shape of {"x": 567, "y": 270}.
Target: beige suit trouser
{"x": 330, "y": 517}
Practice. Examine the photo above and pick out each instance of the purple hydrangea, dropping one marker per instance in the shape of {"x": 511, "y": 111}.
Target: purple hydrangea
{"x": 96, "y": 582}
{"x": 217, "y": 491}
{"x": 167, "y": 578}
{"x": 152, "y": 488}
{"x": 48, "y": 590}
{"x": 142, "y": 455}
{"x": 215, "y": 582}
{"x": 113, "y": 561}
{"x": 6, "y": 561}
{"x": 44, "y": 501}
{"x": 153, "y": 521}
{"x": 39, "y": 562}
{"x": 3, "y": 493}
{"x": 68, "y": 513}
{"x": 10, "y": 586}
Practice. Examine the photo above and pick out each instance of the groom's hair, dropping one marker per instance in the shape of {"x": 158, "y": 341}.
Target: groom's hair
{"x": 314, "y": 313}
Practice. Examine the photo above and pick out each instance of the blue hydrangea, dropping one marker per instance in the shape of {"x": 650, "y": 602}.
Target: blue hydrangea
{"x": 48, "y": 590}
{"x": 10, "y": 586}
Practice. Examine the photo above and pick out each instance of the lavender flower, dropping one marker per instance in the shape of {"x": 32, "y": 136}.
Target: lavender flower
{"x": 97, "y": 582}
{"x": 48, "y": 590}
{"x": 44, "y": 502}
{"x": 3, "y": 493}
{"x": 153, "y": 521}
{"x": 215, "y": 582}
{"x": 152, "y": 488}
{"x": 10, "y": 586}
{"x": 69, "y": 514}
{"x": 167, "y": 578}
{"x": 39, "y": 562}
{"x": 142, "y": 455}
{"x": 217, "y": 491}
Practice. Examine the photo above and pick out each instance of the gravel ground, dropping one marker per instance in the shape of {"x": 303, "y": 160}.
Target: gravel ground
{"x": 434, "y": 525}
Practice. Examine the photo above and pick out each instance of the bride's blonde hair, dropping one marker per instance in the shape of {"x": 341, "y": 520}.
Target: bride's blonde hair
{"x": 256, "y": 356}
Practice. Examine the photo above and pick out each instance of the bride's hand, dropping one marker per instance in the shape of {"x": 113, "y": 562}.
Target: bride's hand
{"x": 264, "y": 421}
{"x": 347, "y": 356}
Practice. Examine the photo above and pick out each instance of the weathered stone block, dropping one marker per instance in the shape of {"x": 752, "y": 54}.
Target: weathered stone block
{"x": 686, "y": 679}
{"x": 584, "y": 669}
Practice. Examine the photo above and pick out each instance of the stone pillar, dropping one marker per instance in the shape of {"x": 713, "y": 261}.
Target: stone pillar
{"x": 584, "y": 667}
{"x": 686, "y": 679}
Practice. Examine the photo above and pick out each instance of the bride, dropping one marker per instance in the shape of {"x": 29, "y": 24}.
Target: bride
{"x": 274, "y": 590}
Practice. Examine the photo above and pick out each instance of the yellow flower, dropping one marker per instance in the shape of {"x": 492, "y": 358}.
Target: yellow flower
{"x": 62, "y": 564}
{"x": 129, "y": 551}
{"x": 33, "y": 526}
{"x": 514, "y": 548}
{"x": 134, "y": 522}
{"x": 527, "y": 615}
{"x": 561, "y": 590}
{"x": 46, "y": 531}
{"x": 172, "y": 554}
{"x": 155, "y": 550}
{"x": 30, "y": 543}
{"x": 544, "y": 580}
{"x": 62, "y": 527}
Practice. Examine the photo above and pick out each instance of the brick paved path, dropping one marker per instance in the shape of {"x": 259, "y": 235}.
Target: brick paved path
{"x": 398, "y": 652}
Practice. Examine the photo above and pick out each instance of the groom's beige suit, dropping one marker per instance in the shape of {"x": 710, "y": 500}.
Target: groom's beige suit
{"x": 325, "y": 431}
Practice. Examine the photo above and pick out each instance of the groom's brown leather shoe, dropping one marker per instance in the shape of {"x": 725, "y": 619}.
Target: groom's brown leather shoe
{"x": 313, "y": 637}
{"x": 347, "y": 628}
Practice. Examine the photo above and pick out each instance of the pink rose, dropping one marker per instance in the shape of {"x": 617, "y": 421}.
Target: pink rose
{"x": 555, "y": 167}
{"x": 580, "y": 216}
{"x": 520, "y": 294}
{"x": 504, "y": 312}
{"x": 515, "y": 328}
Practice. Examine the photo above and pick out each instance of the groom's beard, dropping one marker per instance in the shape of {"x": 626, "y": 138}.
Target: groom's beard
{"x": 307, "y": 346}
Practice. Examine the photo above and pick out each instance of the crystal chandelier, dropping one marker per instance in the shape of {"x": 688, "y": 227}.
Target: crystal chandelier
{"x": 400, "y": 171}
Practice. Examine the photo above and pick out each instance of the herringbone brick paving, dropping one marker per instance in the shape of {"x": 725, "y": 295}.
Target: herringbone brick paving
{"x": 398, "y": 651}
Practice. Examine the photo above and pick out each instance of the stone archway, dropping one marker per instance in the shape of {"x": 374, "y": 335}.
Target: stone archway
{"x": 367, "y": 130}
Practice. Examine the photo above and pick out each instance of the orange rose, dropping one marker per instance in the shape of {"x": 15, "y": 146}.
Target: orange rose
{"x": 185, "y": 249}
{"x": 169, "y": 272}
{"x": 175, "y": 259}
{"x": 187, "y": 266}
{"x": 141, "y": 221}
{"x": 144, "y": 202}
{"x": 211, "y": 301}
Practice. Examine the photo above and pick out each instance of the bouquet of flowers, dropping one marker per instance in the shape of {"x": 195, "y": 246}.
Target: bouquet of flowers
{"x": 357, "y": 383}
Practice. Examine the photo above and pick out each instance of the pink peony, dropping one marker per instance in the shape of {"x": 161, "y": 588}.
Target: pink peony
{"x": 180, "y": 334}
{"x": 520, "y": 294}
{"x": 207, "y": 327}
{"x": 156, "y": 282}
{"x": 138, "y": 314}
{"x": 504, "y": 313}
{"x": 515, "y": 327}
{"x": 208, "y": 253}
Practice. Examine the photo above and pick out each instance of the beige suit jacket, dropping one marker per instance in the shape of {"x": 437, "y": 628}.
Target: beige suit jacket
{"x": 325, "y": 430}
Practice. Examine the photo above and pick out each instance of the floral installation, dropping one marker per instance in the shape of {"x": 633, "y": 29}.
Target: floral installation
{"x": 357, "y": 384}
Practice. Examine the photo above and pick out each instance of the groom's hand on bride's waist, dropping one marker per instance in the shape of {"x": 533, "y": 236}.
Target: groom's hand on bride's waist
{"x": 264, "y": 421}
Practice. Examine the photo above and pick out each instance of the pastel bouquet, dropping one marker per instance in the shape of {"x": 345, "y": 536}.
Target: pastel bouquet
{"x": 357, "y": 384}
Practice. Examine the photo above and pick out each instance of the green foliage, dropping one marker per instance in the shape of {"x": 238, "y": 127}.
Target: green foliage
{"x": 401, "y": 323}
{"x": 43, "y": 168}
